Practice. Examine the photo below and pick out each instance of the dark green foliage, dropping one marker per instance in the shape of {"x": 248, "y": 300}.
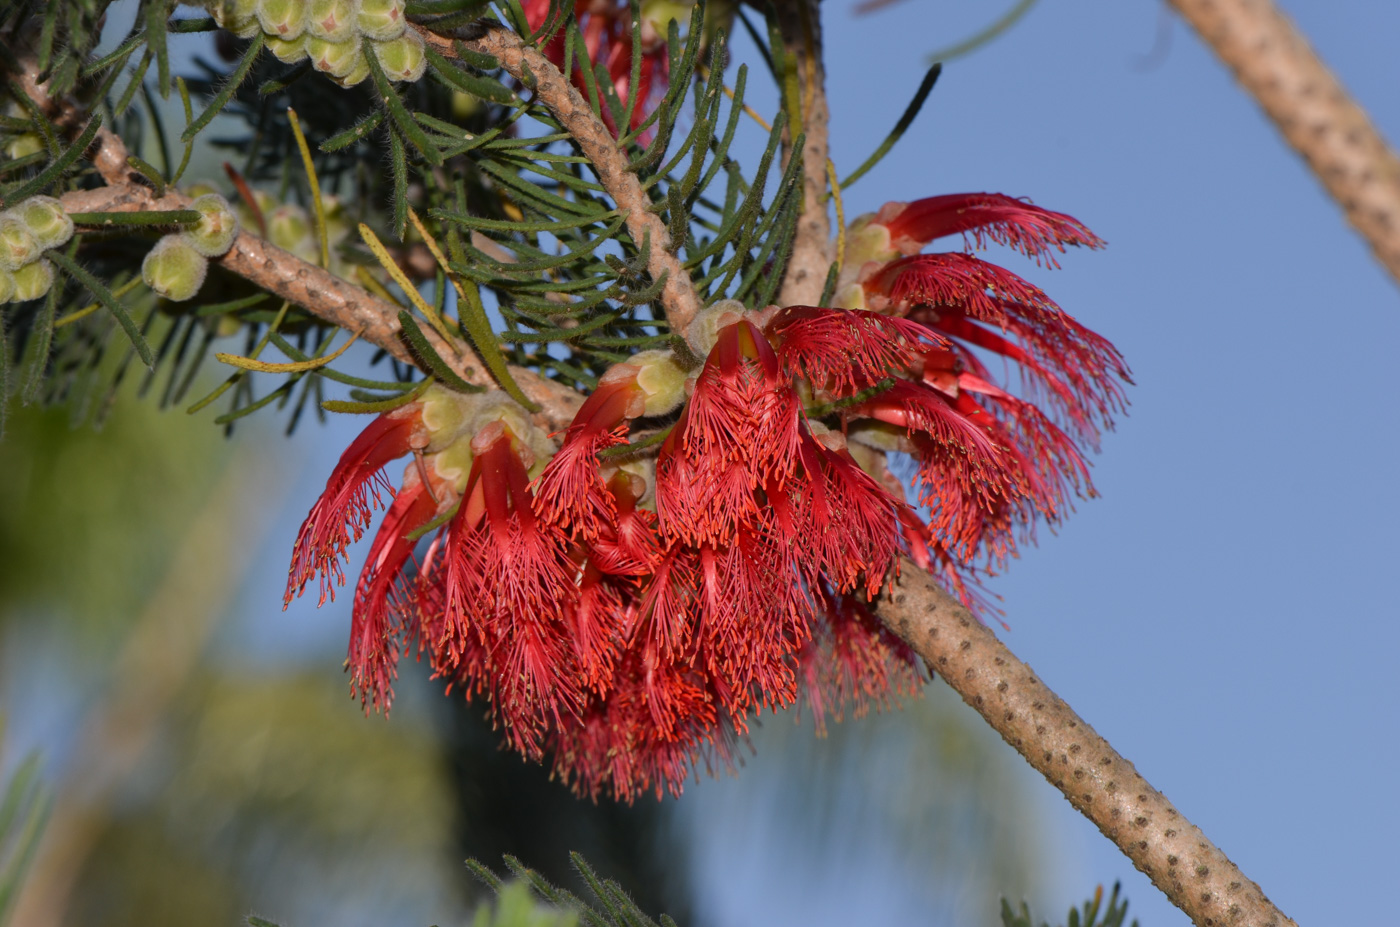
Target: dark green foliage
{"x": 1093, "y": 914}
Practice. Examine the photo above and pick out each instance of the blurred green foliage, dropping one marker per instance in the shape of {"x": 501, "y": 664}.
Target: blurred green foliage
{"x": 89, "y": 518}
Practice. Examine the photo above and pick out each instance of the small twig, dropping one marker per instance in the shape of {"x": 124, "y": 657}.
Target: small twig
{"x": 678, "y": 297}
{"x": 1275, "y": 64}
{"x": 799, "y": 23}
{"x": 1103, "y": 786}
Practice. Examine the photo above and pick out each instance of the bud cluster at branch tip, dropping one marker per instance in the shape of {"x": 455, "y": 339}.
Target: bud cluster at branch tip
{"x": 331, "y": 33}
{"x": 27, "y": 230}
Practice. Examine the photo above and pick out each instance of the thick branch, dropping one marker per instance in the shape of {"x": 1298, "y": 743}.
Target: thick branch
{"x": 533, "y": 69}
{"x": 799, "y": 22}
{"x": 1101, "y": 784}
{"x": 328, "y": 297}
{"x": 1319, "y": 119}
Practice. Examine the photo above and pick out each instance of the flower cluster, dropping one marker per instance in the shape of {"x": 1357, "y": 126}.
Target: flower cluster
{"x": 331, "y": 33}
{"x": 27, "y": 230}
{"x": 704, "y": 543}
{"x": 175, "y": 268}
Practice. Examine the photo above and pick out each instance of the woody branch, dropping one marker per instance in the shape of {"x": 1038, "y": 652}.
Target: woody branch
{"x": 1319, "y": 119}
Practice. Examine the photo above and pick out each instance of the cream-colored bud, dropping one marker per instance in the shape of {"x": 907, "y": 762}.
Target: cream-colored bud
{"x": 704, "y": 328}
{"x": 287, "y": 51}
{"x": 213, "y": 235}
{"x": 662, "y": 378}
{"x": 18, "y": 246}
{"x": 338, "y": 59}
{"x": 288, "y": 226}
{"x": 402, "y": 58}
{"x": 174, "y": 269}
{"x": 285, "y": 19}
{"x": 32, "y": 281}
{"x": 333, "y": 20}
{"x": 381, "y": 20}
{"x": 237, "y": 16}
{"x": 357, "y": 74}
{"x": 22, "y": 146}
{"x": 47, "y": 221}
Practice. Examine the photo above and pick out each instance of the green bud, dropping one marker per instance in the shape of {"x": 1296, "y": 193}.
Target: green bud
{"x": 32, "y": 281}
{"x": 217, "y": 226}
{"x": 237, "y": 16}
{"x": 381, "y": 20}
{"x": 357, "y": 75}
{"x": 704, "y": 329}
{"x": 46, "y": 220}
{"x": 174, "y": 269}
{"x": 200, "y": 188}
{"x": 288, "y": 226}
{"x": 338, "y": 59}
{"x": 661, "y": 378}
{"x": 22, "y": 146}
{"x": 285, "y": 19}
{"x": 18, "y": 246}
{"x": 402, "y": 58}
{"x": 287, "y": 51}
{"x": 333, "y": 20}
{"x": 7, "y": 286}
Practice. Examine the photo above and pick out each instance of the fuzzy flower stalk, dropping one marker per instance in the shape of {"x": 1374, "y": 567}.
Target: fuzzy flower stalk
{"x": 704, "y": 543}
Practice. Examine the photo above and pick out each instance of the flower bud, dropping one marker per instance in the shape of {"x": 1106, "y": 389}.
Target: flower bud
{"x": 214, "y": 233}
{"x": 662, "y": 378}
{"x": 704, "y": 328}
{"x": 285, "y": 19}
{"x": 46, "y": 220}
{"x": 402, "y": 58}
{"x": 174, "y": 269}
{"x": 287, "y": 51}
{"x": 333, "y": 20}
{"x": 288, "y": 226}
{"x": 7, "y": 286}
{"x": 32, "y": 281}
{"x": 381, "y": 20}
{"x": 338, "y": 59}
{"x": 18, "y": 246}
{"x": 22, "y": 146}
{"x": 357, "y": 74}
{"x": 237, "y": 16}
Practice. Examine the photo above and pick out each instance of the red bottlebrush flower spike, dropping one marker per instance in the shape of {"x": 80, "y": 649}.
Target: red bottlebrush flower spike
{"x": 571, "y": 491}
{"x": 854, "y": 663}
{"x": 846, "y": 351}
{"x": 958, "y": 280}
{"x": 985, "y": 217}
{"x": 1076, "y": 371}
{"x": 385, "y": 603}
{"x": 343, "y": 511}
{"x": 507, "y": 579}
{"x": 738, "y": 432}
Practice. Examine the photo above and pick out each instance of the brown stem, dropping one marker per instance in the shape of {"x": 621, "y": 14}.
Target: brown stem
{"x": 1274, "y": 62}
{"x": 678, "y": 297}
{"x": 799, "y": 23}
{"x": 328, "y": 297}
{"x": 1100, "y": 783}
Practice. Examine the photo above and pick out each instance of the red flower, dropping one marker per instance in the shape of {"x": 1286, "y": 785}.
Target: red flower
{"x": 506, "y": 582}
{"x": 343, "y": 511}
